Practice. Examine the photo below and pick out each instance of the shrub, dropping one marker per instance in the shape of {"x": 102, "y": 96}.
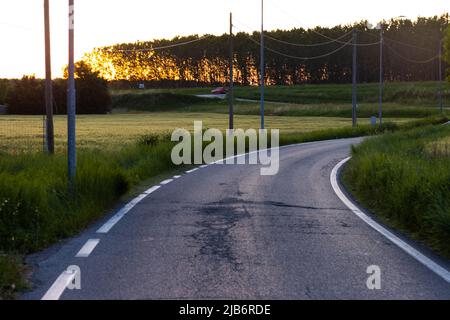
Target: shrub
{"x": 154, "y": 101}
{"x": 26, "y": 96}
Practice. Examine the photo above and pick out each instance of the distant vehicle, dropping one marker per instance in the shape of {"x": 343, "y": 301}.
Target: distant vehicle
{"x": 219, "y": 90}
{"x": 141, "y": 85}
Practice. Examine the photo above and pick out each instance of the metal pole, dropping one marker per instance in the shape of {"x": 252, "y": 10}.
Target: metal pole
{"x": 380, "y": 98}
{"x": 440, "y": 76}
{"x": 354, "y": 72}
{"x": 71, "y": 99}
{"x": 49, "y": 131}
{"x": 230, "y": 93}
{"x": 262, "y": 64}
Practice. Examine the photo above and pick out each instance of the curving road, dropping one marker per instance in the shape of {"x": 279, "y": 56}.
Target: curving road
{"x": 227, "y": 232}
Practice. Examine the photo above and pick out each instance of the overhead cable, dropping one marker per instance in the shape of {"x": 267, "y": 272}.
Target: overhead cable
{"x": 412, "y": 60}
{"x": 162, "y": 47}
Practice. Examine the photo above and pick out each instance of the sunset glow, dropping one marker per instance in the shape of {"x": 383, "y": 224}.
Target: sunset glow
{"x": 103, "y": 22}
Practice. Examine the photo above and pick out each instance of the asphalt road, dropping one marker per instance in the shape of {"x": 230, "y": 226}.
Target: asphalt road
{"x": 227, "y": 232}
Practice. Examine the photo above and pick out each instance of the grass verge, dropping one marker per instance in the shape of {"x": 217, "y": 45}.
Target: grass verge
{"x": 404, "y": 178}
{"x": 37, "y": 208}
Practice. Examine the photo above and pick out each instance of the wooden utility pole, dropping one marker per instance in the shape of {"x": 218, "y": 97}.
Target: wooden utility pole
{"x": 49, "y": 131}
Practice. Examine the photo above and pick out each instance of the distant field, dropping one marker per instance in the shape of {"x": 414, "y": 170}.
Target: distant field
{"x": 24, "y": 133}
{"x": 412, "y": 93}
{"x": 418, "y": 99}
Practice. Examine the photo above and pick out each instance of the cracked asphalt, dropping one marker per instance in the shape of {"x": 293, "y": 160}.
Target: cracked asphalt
{"x": 226, "y": 232}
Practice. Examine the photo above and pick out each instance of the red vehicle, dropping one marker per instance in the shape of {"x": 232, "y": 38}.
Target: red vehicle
{"x": 219, "y": 90}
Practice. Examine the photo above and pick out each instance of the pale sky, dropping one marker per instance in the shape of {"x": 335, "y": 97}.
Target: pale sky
{"x": 106, "y": 22}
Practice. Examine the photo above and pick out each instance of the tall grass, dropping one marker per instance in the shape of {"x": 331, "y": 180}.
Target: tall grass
{"x": 37, "y": 207}
{"x": 401, "y": 180}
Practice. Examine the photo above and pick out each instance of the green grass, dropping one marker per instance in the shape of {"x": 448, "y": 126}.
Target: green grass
{"x": 410, "y": 93}
{"x": 404, "y": 178}
{"x": 365, "y": 110}
{"x": 417, "y": 99}
{"x": 11, "y": 276}
{"x": 37, "y": 208}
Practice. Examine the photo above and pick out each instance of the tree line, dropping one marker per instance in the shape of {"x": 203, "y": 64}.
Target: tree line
{"x": 408, "y": 52}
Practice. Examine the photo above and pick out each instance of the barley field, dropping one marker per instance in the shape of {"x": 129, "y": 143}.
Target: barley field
{"x": 19, "y": 134}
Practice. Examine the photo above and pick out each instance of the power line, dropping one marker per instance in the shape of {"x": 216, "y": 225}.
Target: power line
{"x": 162, "y": 47}
{"x": 412, "y": 60}
{"x": 408, "y": 45}
{"x": 337, "y": 40}
{"x": 308, "y": 44}
{"x": 398, "y": 42}
{"x": 302, "y": 58}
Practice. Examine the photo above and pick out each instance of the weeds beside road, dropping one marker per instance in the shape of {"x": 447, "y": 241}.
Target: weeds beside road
{"x": 404, "y": 178}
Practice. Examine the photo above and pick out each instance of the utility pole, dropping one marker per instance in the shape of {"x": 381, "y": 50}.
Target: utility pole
{"x": 440, "y": 75}
{"x": 71, "y": 100}
{"x": 262, "y": 64}
{"x": 354, "y": 72}
{"x": 49, "y": 131}
{"x": 230, "y": 92}
{"x": 380, "y": 98}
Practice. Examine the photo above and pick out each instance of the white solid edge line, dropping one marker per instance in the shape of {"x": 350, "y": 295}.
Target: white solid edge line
{"x": 176, "y": 177}
{"x": 189, "y": 171}
{"x": 430, "y": 264}
{"x": 87, "y": 249}
{"x": 58, "y": 287}
{"x": 166, "y": 181}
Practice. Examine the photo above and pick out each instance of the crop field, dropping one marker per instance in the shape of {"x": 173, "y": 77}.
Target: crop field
{"x": 25, "y": 133}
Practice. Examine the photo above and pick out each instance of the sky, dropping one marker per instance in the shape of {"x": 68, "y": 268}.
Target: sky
{"x": 106, "y": 22}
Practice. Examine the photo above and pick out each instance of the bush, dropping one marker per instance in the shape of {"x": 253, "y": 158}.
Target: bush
{"x": 4, "y": 86}
{"x": 26, "y": 96}
{"x": 155, "y": 101}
